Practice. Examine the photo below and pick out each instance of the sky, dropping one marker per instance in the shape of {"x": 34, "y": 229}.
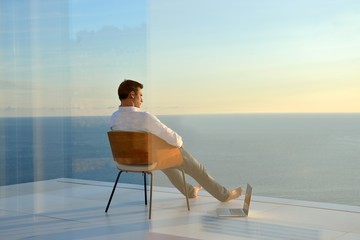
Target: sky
{"x": 67, "y": 58}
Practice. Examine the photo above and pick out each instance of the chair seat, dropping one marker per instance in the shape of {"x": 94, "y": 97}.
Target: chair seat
{"x": 136, "y": 168}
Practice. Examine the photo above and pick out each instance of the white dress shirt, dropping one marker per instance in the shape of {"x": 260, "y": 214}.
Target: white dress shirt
{"x": 132, "y": 119}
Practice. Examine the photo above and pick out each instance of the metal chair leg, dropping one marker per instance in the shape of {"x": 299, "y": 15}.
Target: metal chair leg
{"x": 145, "y": 190}
{"x": 112, "y": 193}
{"x": 186, "y": 191}
{"x": 151, "y": 190}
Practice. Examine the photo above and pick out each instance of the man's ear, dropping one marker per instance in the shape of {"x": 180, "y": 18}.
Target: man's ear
{"x": 132, "y": 94}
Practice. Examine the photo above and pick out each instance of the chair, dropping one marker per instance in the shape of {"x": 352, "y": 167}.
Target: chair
{"x": 143, "y": 152}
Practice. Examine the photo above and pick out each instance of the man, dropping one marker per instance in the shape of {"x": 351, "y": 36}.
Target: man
{"x": 129, "y": 117}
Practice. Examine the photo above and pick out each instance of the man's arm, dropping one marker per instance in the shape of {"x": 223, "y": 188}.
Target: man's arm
{"x": 161, "y": 130}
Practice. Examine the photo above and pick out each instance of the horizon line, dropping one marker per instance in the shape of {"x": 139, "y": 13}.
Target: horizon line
{"x": 190, "y": 114}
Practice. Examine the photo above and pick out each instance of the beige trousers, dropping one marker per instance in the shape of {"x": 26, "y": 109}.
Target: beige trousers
{"x": 194, "y": 169}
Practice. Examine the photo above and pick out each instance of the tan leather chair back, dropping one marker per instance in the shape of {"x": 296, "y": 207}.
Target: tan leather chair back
{"x": 143, "y": 148}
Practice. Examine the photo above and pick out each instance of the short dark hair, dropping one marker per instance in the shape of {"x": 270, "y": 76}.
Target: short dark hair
{"x": 127, "y": 86}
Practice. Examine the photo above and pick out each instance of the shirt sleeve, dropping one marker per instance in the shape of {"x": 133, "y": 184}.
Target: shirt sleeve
{"x": 161, "y": 130}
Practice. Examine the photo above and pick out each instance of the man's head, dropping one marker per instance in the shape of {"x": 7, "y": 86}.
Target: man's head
{"x": 130, "y": 93}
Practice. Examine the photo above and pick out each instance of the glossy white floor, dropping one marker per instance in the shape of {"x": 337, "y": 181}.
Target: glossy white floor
{"x": 74, "y": 209}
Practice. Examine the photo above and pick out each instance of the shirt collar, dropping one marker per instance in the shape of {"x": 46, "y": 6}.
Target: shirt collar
{"x": 129, "y": 109}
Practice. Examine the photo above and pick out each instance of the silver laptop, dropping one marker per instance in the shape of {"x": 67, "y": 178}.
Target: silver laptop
{"x": 237, "y": 212}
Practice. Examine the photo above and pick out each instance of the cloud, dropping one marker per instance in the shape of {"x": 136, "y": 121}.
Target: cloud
{"x": 14, "y": 85}
{"x": 5, "y": 84}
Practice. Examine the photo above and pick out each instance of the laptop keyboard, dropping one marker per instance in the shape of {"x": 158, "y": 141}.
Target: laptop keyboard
{"x": 236, "y": 211}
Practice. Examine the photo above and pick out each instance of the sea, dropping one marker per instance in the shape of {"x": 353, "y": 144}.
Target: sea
{"x": 311, "y": 157}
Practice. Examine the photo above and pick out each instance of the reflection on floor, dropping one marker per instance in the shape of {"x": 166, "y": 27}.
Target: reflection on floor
{"x": 74, "y": 209}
